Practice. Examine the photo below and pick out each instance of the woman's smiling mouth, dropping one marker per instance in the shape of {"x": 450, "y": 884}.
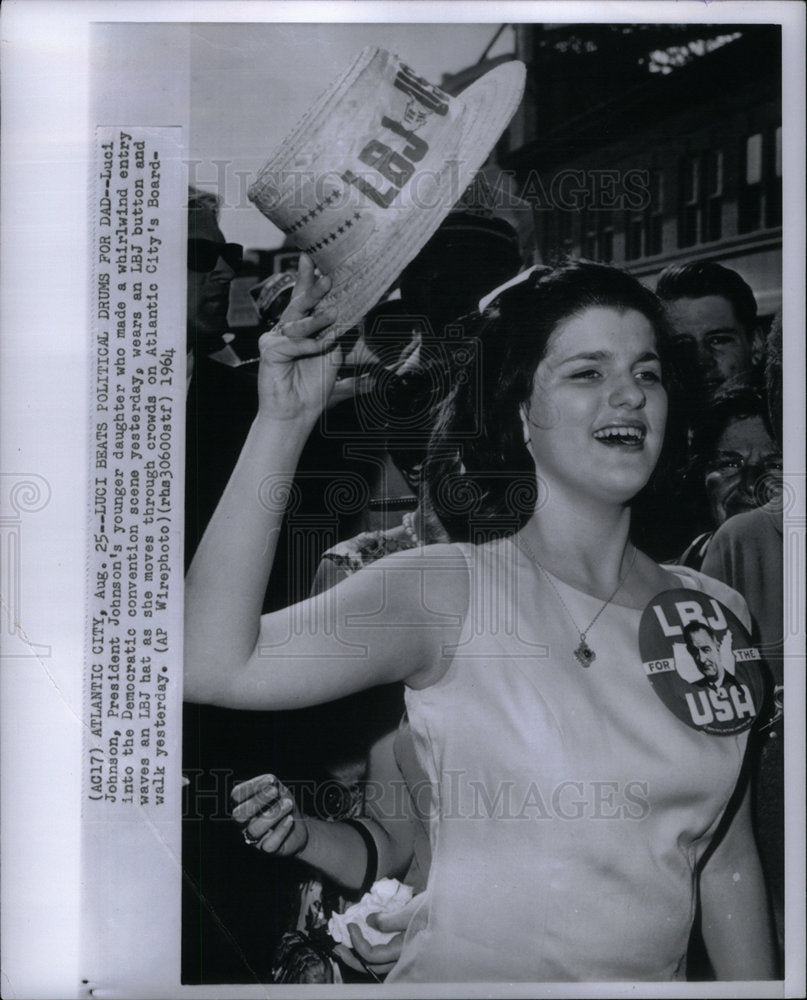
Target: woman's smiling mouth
{"x": 622, "y": 435}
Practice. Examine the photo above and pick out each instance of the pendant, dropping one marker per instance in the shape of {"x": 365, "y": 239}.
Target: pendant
{"x": 584, "y": 653}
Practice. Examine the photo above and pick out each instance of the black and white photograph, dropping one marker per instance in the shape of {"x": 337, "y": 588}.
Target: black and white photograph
{"x": 403, "y": 499}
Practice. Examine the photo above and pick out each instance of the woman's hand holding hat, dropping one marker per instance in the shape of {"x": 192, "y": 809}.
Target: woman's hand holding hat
{"x": 297, "y": 371}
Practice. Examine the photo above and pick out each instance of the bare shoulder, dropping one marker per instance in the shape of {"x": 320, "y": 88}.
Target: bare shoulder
{"x": 430, "y": 579}
{"x": 421, "y": 598}
{"x": 391, "y": 621}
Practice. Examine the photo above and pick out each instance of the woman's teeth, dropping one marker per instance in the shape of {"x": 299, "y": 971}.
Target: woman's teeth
{"x": 620, "y": 435}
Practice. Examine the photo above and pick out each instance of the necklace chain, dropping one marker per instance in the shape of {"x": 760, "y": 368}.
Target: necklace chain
{"x": 584, "y": 653}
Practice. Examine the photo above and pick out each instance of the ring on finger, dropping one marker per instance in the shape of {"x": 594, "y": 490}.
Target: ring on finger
{"x": 249, "y": 840}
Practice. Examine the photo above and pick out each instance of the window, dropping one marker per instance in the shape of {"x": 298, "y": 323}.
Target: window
{"x": 644, "y": 228}
{"x": 558, "y": 233}
{"x": 634, "y": 233}
{"x": 588, "y": 234}
{"x": 750, "y": 194}
{"x": 753, "y": 159}
{"x": 654, "y": 232}
{"x": 700, "y": 198}
{"x": 689, "y": 198}
{"x": 712, "y": 195}
{"x": 760, "y": 194}
{"x": 597, "y": 235}
{"x": 566, "y": 230}
{"x": 605, "y": 236}
{"x": 547, "y": 229}
{"x": 773, "y": 188}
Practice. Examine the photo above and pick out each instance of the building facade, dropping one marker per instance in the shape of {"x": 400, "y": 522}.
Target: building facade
{"x": 647, "y": 169}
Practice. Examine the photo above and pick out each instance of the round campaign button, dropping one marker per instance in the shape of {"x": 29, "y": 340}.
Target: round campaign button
{"x": 700, "y": 660}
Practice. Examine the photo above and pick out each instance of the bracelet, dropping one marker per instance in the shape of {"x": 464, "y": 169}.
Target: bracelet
{"x": 371, "y": 874}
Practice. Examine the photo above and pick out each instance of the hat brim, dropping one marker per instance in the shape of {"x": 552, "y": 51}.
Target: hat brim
{"x": 360, "y": 282}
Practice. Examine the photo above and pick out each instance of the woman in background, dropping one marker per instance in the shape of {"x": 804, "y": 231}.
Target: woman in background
{"x": 736, "y": 465}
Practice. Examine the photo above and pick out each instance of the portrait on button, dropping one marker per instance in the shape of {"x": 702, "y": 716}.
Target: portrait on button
{"x": 705, "y": 658}
{"x": 699, "y": 659}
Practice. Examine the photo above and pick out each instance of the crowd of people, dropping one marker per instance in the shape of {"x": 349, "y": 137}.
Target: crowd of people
{"x": 589, "y": 478}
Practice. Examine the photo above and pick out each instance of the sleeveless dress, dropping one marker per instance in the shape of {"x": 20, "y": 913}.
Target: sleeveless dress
{"x": 570, "y": 806}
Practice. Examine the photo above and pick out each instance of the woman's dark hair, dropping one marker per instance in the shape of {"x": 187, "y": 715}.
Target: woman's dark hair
{"x": 726, "y": 406}
{"x": 481, "y": 476}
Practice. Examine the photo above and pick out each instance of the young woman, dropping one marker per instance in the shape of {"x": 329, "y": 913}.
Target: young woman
{"x": 576, "y": 817}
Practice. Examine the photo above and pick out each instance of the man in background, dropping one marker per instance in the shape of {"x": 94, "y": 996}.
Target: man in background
{"x": 222, "y": 400}
{"x": 713, "y": 314}
{"x": 212, "y": 262}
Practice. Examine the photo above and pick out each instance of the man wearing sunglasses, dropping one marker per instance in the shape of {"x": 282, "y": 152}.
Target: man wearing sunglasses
{"x": 220, "y": 405}
{"x": 212, "y": 263}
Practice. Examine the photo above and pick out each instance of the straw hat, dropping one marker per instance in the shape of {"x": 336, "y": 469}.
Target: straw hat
{"x": 375, "y": 165}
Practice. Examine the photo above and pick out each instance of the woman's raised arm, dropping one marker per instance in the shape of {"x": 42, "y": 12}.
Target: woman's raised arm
{"x": 396, "y": 620}
{"x": 227, "y": 580}
{"x": 363, "y": 632}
